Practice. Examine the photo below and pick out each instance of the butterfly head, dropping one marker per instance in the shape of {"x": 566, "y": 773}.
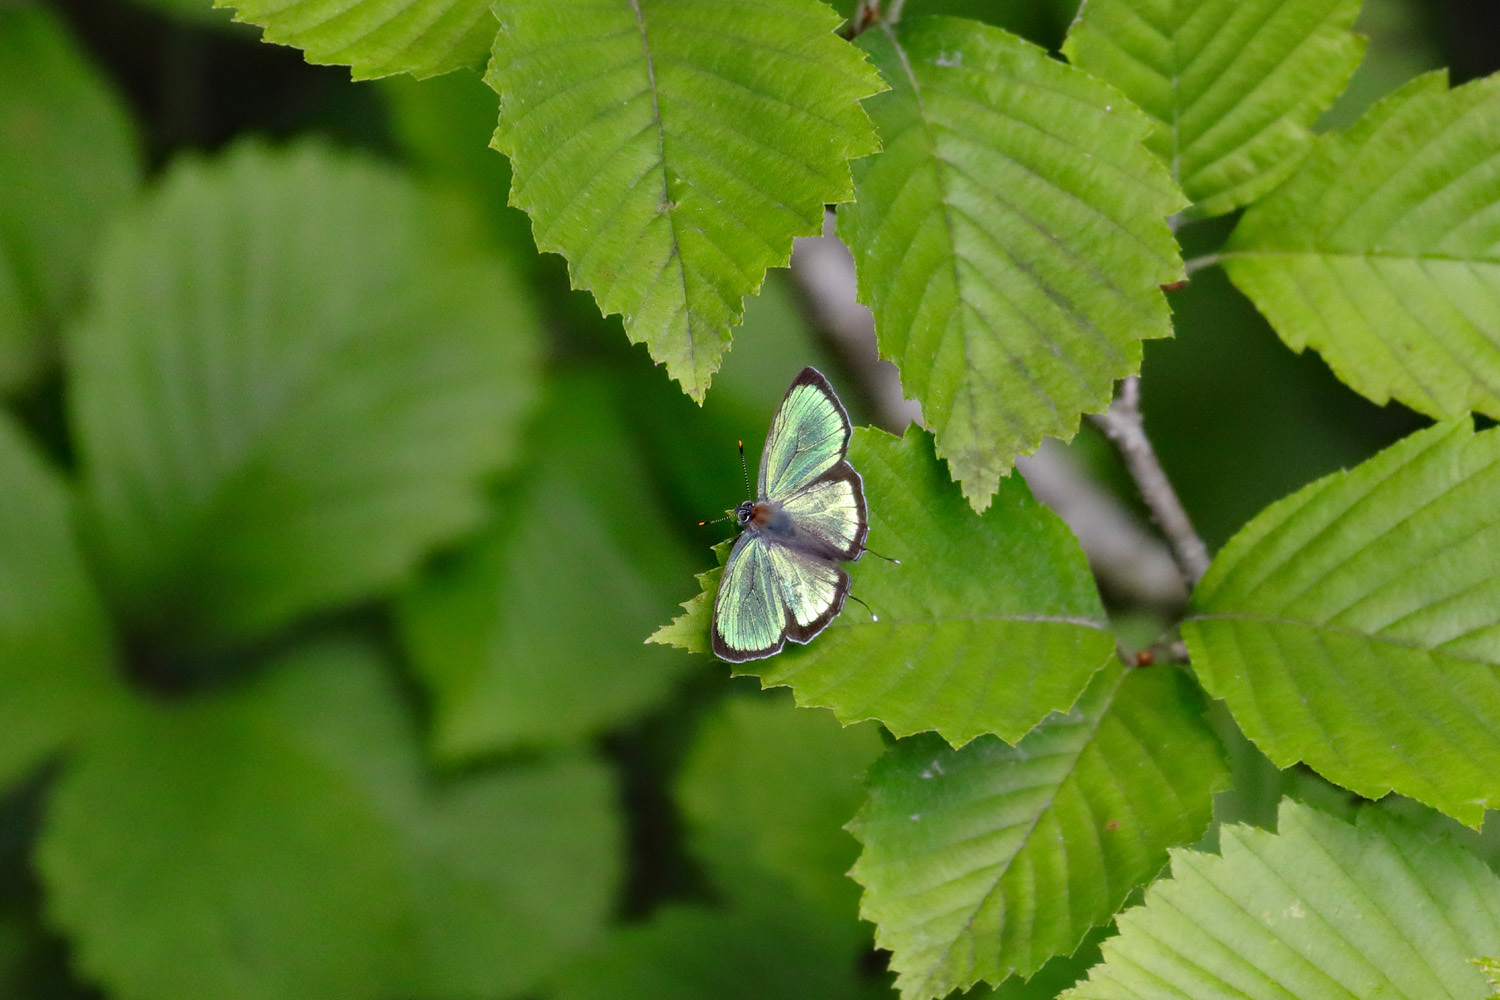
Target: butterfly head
{"x": 754, "y": 514}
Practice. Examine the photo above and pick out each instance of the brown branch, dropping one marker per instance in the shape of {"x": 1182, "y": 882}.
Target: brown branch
{"x": 1123, "y": 425}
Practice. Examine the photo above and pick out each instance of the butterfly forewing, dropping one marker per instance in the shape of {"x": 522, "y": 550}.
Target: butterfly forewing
{"x": 808, "y": 436}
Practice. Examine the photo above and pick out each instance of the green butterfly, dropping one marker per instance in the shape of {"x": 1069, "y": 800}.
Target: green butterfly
{"x": 783, "y": 579}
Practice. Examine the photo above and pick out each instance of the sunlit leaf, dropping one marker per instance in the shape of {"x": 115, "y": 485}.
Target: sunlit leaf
{"x": 1234, "y": 85}
{"x": 1355, "y": 625}
{"x": 1011, "y": 239}
{"x": 989, "y": 623}
{"x": 1383, "y": 251}
{"x": 1319, "y": 911}
{"x": 985, "y": 862}
{"x": 671, "y": 150}
{"x": 291, "y": 384}
{"x": 377, "y": 37}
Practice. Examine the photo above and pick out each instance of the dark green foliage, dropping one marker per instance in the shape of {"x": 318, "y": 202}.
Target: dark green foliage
{"x": 334, "y": 517}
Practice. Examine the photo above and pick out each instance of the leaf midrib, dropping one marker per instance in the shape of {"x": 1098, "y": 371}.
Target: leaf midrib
{"x": 1076, "y": 753}
{"x": 675, "y": 256}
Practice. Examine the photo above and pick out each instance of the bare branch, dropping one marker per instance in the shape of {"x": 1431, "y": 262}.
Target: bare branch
{"x": 1124, "y": 426}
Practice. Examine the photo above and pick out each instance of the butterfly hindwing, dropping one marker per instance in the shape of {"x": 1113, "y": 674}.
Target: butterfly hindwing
{"x": 832, "y": 511}
{"x": 812, "y": 591}
{"x": 749, "y": 617}
{"x": 809, "y": 435}
{"x": 770, "y": 593}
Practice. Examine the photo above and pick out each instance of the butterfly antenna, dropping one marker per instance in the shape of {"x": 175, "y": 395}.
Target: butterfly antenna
{"x": 746, "y": 469}
{"x": 873, "y": 616}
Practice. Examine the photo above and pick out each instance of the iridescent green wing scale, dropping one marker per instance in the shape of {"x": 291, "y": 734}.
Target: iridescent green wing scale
{"x": 749, "y": 617}
{"x": 830, "y": 510}
{"x": 809, "y": 435}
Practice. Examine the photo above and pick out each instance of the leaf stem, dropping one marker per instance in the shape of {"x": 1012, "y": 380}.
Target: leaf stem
{"x": 1199, "y": 263}
{"x": 1123, "y": 425}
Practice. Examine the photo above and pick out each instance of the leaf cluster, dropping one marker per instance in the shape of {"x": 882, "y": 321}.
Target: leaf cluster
{"x": 322, "y": 594}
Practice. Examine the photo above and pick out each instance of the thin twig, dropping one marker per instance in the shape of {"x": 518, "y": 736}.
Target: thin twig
{"x": 1123, "y": 425}
{"x": 1195, "y": 264}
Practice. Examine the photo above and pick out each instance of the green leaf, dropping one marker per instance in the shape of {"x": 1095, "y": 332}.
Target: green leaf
{"x": 532, "y": 634}
{"x": 1010, "y": 239}
{"x": 671, "y": 150}
{"x": 56, "y": 114}
{"x": 290, "y": 386}
{"x": 990, "y": 622}
{"x": 1234, "y": 85}
{"x": 694, "y": 953}
{"x": 766, "y": 791}
{"x": 56, "y": 664}
{"x": 1383, "y": 251}
{"x": 375, "y": 37}
{"x": 1321, "y": 911}
{"x": 514, "y": 872}
{"x": 985, "y": 862}
{"x": 279, "y": 843}
{"x": 1355, "y": 625}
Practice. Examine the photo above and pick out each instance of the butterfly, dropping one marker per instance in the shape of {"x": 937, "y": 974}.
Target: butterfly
{"x": 783, "y": 579}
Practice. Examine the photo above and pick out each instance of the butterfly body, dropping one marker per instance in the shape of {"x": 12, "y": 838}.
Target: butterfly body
{"x": 783, "y": 579}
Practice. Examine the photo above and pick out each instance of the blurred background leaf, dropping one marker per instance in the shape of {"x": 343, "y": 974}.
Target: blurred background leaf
{"x": 766, "y": 792}
{"x": 57, "y": 112}
{"x": 282, "y": 843}
{"x": 271, "y": 425}
{"x": 535, "y": 632}
{"x": 56, "y": 647}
